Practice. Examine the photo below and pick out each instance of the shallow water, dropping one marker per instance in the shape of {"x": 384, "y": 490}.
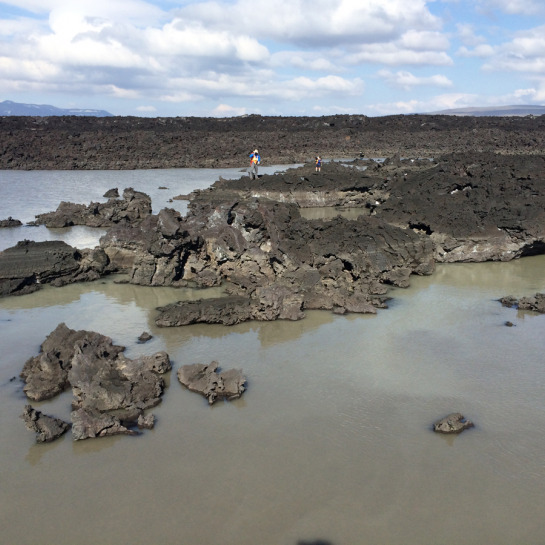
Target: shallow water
{"x": 28, "y": 193}
{"x": 331, "y": 443}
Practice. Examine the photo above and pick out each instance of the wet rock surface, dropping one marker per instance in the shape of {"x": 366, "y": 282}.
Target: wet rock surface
{"x": 535, "y": 303}
{"x": 250, "y": 234}
{"x": 89, "y": 423}
{"x": 211, "y": 383}
{"x": 132, "y": 208}
{"x": 47, "y": 428}
{"x": 110, "y": 392}
{"x": 24, "y": 268}
{"x": 452, "y": 424}
{"x": 10, "y": 222}
{"x": 276, "y": 263}
{"x": 144, "y": 337}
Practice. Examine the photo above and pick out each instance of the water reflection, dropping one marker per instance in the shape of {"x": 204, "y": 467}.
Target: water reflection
{"x": 114, "y": 288}
{"x": 526, "y": 273}
{"x": 78, "y": 236}
{"x": 38, "y": 450}
{"x": 109, "y": 301}
{"x": 92, "y": 446}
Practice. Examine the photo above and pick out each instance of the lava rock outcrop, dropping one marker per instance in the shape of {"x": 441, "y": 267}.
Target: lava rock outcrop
{"x": 132, "y": 208}
{"x": 29, "y": 265}
{"x": 110, "y": 392}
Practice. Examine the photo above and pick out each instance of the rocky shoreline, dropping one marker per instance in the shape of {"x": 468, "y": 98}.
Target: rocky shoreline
{"x": 249, "y": 237}
{"x": 112, "y": 394}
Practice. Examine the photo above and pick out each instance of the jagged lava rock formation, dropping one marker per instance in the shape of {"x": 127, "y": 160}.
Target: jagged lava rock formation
{"x": 71, "y": 142}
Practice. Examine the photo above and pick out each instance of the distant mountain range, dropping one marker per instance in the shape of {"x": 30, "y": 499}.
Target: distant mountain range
{"x": 9, "y": 107}
{"x": 493, "y": 111}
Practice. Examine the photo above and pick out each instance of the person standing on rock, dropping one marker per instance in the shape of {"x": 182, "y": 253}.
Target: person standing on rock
{"x": 318, "y": 161}
{"x": 255, "y": 160}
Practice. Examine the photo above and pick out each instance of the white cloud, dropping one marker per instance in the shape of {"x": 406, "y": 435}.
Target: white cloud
{"x": 403, "y": 107}
{"x": 306, "y": 60}
{"x": 146, "y": 109}
{"x": 177, "y": 38}
{"x": 217, "y": 86}
{"x": 180, "y": 96}
{"x": 513, "y": 7}
{"x": 11, "y": 68}
{"x": 316, "y": 22}
{"x": 451, "y": 101}
{"x": 119, "y": 92}
{"x": 406, "y": 80}
{"x": 138, "y": 12}
{"x": 467, "y": 35}
{"x": 296, "y": 55}
{"x": 216, "y": 50}
{"x": 423, "y": 41}
{"x": 393, "y": 55}
{"x": 525, "y": 53}
{"x": 224, "y": 110}
{"x": 437, "y": 103}
{"x": 480, "y": 51}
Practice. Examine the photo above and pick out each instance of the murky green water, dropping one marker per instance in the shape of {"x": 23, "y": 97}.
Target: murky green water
{"x": 330, "y": 442}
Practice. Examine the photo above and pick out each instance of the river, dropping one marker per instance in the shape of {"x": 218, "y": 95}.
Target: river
{"x": 331, "y": 444}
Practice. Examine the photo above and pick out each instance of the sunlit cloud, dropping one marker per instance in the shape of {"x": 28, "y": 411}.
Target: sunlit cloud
{"x": 224, "y": 110}
{"x": 146, "y": 109}
{"x": 407, "y": 80}
{"x": 298, "y": 56}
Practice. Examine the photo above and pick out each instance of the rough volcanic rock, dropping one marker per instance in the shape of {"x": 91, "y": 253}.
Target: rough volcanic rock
{"x": 338, "y": 184}
{"x": 89, "y": 423}
{"x": 266, "y": 303}
{"x": 269, "y": 254}
{"x": 111, "y": 392}
{"x": 214, "y": 385}
{"x": 106, "y": 383}
{"x": 146, "y": 422}
{"x": 144, "y": 337}
{"x": 112, "y": 193}
{"x": 74, "y": 142}
{"x": 28, "y": 265}
{"x": 453, "y": 423}
{"x": 10, "y": 222}
{"x": 535, "y": 303}
{"x": 229, "y": 310}
{"x": 46, "y": 374}
{"x": 47, "y": 428}
{"x": 132, "y": 208}
{"x": 153, "y": 252}
{"x": 474, "y": 207}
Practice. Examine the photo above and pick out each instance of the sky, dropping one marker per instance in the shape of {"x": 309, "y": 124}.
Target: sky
{"x": 223, "y": 58}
